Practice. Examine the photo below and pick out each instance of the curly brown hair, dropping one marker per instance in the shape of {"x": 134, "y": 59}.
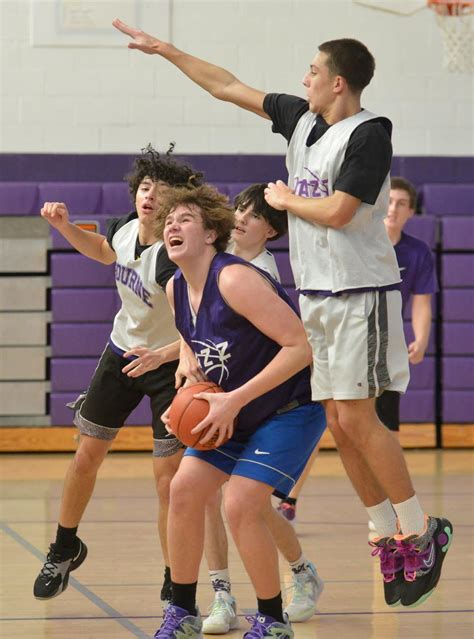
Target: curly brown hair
{"x": 161, "y": 168}
{"x": 216, "y": 213}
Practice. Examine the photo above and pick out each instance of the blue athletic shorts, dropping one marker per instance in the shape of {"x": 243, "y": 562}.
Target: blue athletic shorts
{"x": 276, "y": 453}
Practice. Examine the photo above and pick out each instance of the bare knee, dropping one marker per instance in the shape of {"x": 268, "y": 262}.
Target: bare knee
{"x": 164, "y": 469}
{"x": 90, "y": 455}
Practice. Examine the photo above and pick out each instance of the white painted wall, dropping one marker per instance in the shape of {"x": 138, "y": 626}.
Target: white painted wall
{"x": 112, "y": 100}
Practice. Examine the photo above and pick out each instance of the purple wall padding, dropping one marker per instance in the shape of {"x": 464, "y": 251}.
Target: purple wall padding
{"x": 448, "y": 199}
{"x": 422, "y": 375}
{"x": 283, "y": 262}
{"x": 116, "y": 199}
{"x": 58, "y": 240}
{"x": 424, "y": 228}
{"x": 458, "y": 270}
{"x": 458, "y": 406}
{"x": 84, "y": 304}
{"x": 458, "y": 305}
{"x": 20, "y": 198}
{"x": 79, "y": 340}
{"x": 457, "y": 233}
{"x": 458, "y": 338}
{"x": 61, "y": 415}
{"x": 72, "y": 374}
{"x": 73, "y": 269}
{"x": 417, "y": 406}
{"x": 409, "y": 337}
{"x": 80, "y": 198}
{"x": 458, "y": 373}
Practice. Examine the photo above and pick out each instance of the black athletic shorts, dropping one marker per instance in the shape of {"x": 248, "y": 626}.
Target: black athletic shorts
{"x": 388, "y": 409}
{"x": 112, "y": 396}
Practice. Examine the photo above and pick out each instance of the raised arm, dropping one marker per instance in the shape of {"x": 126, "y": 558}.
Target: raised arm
{"x": 221, "y": 84}
{"x": 91, "y": 245}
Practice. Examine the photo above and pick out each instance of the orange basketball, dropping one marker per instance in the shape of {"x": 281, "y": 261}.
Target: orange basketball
{"x": 186, "y": 412}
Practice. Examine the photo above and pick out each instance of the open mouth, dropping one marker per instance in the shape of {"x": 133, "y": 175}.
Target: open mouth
{"x": 175, "y": 241}
{"x": 239, "y": 229}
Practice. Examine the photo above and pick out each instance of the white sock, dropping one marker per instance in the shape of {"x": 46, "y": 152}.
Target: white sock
{"x": 220, "y": 580}
{"x": 410, "y": 516}
{"x": 298, "y": 565}
{"x": 384, "y": 518}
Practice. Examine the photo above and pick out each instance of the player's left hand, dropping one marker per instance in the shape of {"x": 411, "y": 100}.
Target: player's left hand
{"x": 165, "y": 418}
{"x": 276, "y": 195}
{"x": 223, "y": 409}
{"x": 416, "y": 353}
{"x": 145, "y": 360}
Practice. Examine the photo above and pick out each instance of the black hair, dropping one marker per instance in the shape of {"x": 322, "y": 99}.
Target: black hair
{"x": 255, "y": 196}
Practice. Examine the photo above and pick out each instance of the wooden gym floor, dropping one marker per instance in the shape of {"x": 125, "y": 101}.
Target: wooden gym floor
{"x": 115, "y": 594}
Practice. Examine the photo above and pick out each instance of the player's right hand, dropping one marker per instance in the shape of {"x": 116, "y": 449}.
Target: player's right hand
{"x": 55, "y": 213}
{"x": 140, "y": 40}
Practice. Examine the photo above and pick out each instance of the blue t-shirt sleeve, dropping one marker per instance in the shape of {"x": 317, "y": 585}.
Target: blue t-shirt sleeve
{"x": 425, "y": 281}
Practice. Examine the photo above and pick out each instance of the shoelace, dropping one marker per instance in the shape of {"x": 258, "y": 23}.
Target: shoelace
{"x": 414, "y": 558}
{"x": 51, "y": 568}
{"x": 300, "y": 587}
{"x": 258, "y": 629}
{"x": 170, "y": 621}
{"x": 391, "y": 560}
{"x": 220, "y": 605}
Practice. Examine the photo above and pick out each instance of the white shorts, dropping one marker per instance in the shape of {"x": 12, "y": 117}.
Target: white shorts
{"x": 359, "y": 347}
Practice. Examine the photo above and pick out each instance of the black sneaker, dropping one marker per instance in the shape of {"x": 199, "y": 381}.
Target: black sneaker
{"x": 166, "y": 591}
{"x": 423, "y": 557}
{"x": 391, "y": 567}
{"x": 54, "y": 575}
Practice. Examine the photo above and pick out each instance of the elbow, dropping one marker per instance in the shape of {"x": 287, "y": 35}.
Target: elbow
{"x": 340, "y": 218}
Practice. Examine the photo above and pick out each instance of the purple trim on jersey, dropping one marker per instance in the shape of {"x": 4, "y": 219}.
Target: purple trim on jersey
{"x": 231, "y": 350}
{"x": 417, "y": 268}
{"x": 349, "y": 291}
{"x": 118, "y": 351}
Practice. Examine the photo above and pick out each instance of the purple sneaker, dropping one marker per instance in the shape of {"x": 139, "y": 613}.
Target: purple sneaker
{"x": 423, "y": 557}
{"x": 177, "y": 623}
{"x": 288, "y": 511}
{"x": 264, "y": 626}
{"x": 391, "y": 567}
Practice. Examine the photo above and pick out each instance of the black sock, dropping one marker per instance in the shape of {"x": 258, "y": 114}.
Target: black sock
{"x": 66, "y": 539}
{"x": 272, "y": 607}
{"x": 290, "y": 500}
{"x": 184, "y": 596}
{"x": 167, "y": 577}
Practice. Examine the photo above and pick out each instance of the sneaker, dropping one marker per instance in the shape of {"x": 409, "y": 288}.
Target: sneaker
{"x": 53, "y": 578}
{"x": 307, "y": 588}
{"x": 178, "y": 623}
{"x": 423, "y": 557}
{"x": 264, "y": 626}
{"x": 288, "y": 511}
{"x": 166, "y": 592}
{"x": 391, "y": 567}
{"x": 222, "y": 615}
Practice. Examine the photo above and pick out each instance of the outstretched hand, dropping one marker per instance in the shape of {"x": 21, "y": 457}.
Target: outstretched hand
{"x": 140, "y": 40}
{"x": 55, "y": 213}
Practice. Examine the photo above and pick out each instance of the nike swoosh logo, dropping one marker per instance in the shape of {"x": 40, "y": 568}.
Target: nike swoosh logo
{"x": 402, "y": 268}
{"x": 430, "y": 561}
{"x": 261, "y": 452}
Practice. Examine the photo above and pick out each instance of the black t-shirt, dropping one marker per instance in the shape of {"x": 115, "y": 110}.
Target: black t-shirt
{"x": 368, "y": 153}
{"x": 164, "y": 269}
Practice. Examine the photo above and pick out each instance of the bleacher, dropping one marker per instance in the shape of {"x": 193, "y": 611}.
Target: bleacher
{"x": 56, "y": 306}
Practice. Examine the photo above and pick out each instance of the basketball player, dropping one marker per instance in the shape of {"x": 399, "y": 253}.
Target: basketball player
{"x": 417, "y": 271}
{"x": 338, "y": 161}
{"x": 248, "y": 338}
{"x": 139, "y": 359}
{"x": 255, "y": 223}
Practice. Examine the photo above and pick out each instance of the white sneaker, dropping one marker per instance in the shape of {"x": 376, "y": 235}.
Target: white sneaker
{"x": 222, "y": 615}
{"x": 307, "y": 588}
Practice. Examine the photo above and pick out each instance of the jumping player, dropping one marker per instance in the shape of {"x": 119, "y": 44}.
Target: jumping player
{"x": 139, "y": 359}
{"x": 247, "y": 337}
{"x": 338, "y": 161}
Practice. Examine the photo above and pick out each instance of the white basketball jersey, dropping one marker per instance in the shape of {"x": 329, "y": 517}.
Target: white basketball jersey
{"x": 263, "y": 260}
{"x": 145, "y": 318}
{"x": 359, "y": 254}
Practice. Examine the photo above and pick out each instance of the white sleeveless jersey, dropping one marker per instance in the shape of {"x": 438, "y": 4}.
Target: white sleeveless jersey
{"x": 358, "y": 255}
{"x": 145, "y": 317}
{"x": 263, "y": 260}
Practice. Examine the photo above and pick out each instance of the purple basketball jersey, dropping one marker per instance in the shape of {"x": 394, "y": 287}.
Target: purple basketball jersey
{"x": 231, "y": 350}
{"x": 417, "y": 268}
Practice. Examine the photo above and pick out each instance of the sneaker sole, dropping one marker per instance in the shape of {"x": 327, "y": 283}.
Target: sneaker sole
{"x": 221, "y": 630}
{"x": 301, "y": 619}
{"x": 74, "y": 565}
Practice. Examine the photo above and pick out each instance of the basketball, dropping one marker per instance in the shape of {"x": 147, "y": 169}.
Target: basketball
{"x": 186, "y": 412}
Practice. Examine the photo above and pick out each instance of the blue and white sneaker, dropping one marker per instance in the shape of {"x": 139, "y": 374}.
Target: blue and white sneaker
{"x": 307, "y": 588}
{"x": 179, "y": 624}
{"x": 264, "y": 626}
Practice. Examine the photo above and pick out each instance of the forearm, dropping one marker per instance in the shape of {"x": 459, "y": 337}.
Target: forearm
{"x": 334, "y": 211}
{"x": 170, "y": 352}
{"x": 421, "y": 323}
{"x": 88, "y": 243}
{"x": 288, "y": 361}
